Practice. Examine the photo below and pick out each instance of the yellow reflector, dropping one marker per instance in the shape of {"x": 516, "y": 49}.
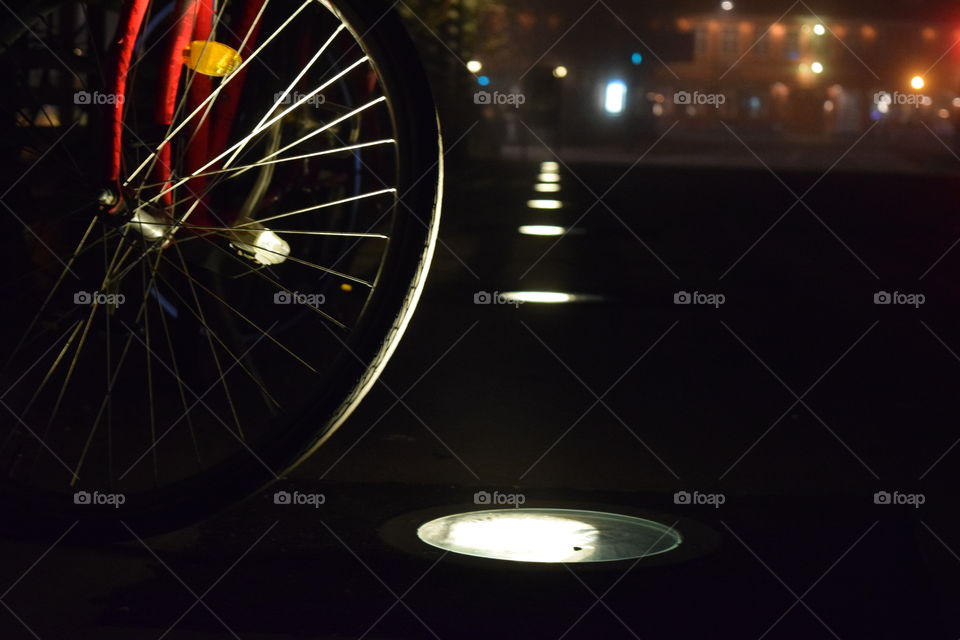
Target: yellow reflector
{"x": 211, "y": 58}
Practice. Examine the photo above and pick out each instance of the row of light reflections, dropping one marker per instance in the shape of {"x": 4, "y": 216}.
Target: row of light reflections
{"x": 548, "y": 181}
{"x": 548, "y": 535}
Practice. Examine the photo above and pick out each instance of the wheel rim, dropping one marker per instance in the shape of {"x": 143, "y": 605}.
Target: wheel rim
{"x": 197, "y": 364}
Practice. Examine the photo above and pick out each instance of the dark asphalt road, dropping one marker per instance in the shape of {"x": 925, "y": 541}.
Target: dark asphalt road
{"x": 797, "y": 399}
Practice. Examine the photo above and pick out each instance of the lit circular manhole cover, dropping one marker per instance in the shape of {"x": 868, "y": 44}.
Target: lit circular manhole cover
{"x": 549, "y": 535}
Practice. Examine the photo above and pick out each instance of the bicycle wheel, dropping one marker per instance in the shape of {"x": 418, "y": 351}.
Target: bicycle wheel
{"x": 206, "y": 263}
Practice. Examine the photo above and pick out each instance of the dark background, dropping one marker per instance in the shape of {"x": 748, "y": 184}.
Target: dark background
{"x": 798, "y": 399}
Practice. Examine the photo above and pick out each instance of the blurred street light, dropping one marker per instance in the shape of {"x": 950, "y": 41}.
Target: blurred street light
{"x": 560, "y": 72}
{"x": 615, "y": 97}
{"x": 474, "y": 66}
{"x": 726, "y": 5}
{"x": 816, "y": 67}
{"x": 819, "y": 29}
{"x": 917, "y": 82}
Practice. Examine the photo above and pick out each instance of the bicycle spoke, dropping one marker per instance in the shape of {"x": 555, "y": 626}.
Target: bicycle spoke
{"x": 316, "y": 207}
{"x": 213, "y": 352}
{"x": 242, "y": 317}
{"x": 307, "y": 263}
{"x": 263, "y": 127}
{"x": 333, "y": 234}
{"x": 277, "y": 284}
{"x": 76, "y": 355}
{"x": 311, "y": 168}
{"x": 43, "y": 355}
{"x": 100, "y": 412}
{"x": 106, "y": 400}
{"x": 300, "y": 260}
{"x": 220, "y": 87}
{"x": 287, "y": 91}
{"x": 56, "y": 286}
{"x": 56, "y": 363}
{"x": 71, "y": 368}
{"x": 191, "y": 76}
{"x": 179, "y": 379}
{"x": 109, "y": 365}
{"x": 324, "y": 128}
{"x": 148, "y": 360}
{"x": 263, "y": 163}
{"x": 203, "y": 323}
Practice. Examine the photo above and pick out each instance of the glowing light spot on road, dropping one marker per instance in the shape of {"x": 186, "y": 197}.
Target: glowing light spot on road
{"x": 544, "y": 204}
{"x": 549, "y": 535}
{"x": 542, "y": 230}
{"x": 544, "y": 297}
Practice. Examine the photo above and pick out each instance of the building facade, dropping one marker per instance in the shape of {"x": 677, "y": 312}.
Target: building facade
{"x": 809, "y": 73}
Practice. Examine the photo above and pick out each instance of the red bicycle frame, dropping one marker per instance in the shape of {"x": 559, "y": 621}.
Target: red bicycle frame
{"x": 194, "y": 21}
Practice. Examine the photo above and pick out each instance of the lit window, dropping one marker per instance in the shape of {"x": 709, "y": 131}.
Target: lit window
{"x": 701, "y": 41}
{"x": 793, "y": 44}
{"x": 729, "y": 40}
{"x": 762, "y": 48}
